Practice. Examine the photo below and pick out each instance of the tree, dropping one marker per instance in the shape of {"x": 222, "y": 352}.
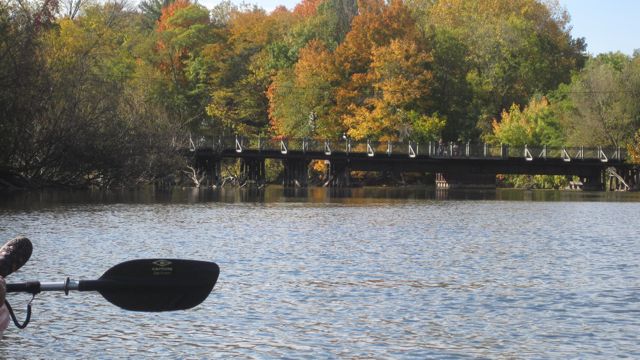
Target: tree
{"x": 634, "y": 149}
{"x": 152, "y": 11}
{"x": 70, "y": 115}
{"x": 24, "y": 81}
{"x": 514, "y": 49}
{"x": 401, "y": 80}
{"x": 301, "y": 100}
{"x": 535, "y": 125}
{"x": 183, "y": 33}
{"x": 386, "y": 66}
{"x": 603, "y": 95}
{"x": 451, "y": 93}
{"x": 243, "y": 70}
{"x": 307, "y": 8}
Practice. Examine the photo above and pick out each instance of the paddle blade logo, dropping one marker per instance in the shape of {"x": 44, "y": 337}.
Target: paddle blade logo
{"x": 161, "y": 267}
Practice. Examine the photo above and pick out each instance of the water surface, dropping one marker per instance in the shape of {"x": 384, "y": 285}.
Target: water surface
{"x": 364, "y": 273}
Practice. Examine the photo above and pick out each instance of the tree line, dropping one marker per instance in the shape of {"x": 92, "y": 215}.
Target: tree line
{"x": 104, "y": 93}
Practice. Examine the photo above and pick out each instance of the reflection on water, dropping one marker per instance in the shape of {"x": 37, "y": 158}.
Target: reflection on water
{"x": 325, "y": 273}
{"x": 276, "y": 194}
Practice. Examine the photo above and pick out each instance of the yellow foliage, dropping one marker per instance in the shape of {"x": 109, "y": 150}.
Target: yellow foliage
{"x": 634, "y": 149}
{"x": 401, "y": 84}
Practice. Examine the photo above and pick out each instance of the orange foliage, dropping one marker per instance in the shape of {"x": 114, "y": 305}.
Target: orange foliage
{"x": 280, "y": 10}
{"x": 168, "y": 12}
{"x": 315, "y": 61}
{"x": 385, "y": 69}
{"x": 376, "y": 25}
{"x": 256, "y": 28}
{"x": 307, "y": 8}
{"x": 634, "y": 149}
{"x": 308, "y": 87}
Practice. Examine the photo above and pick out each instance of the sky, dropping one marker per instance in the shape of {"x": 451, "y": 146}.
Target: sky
{"x": 607, "y": 25}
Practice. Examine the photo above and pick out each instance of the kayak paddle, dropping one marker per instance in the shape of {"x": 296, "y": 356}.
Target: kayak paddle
{"x": 140, "y": 285}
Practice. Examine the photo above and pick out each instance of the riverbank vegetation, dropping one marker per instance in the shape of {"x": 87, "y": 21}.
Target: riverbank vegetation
{"x": 105, "y": 92}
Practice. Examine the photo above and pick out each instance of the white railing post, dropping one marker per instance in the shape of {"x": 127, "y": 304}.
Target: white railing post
{"x": 601, "y": 155}
{"x": 527, "y": 154}
{"x": 238, "y": 145}
{"x": 327, "y": 148}
{"x": 412, "y": 152}
{"x": 543, "y": 153}
{"x": 370, "y": 151}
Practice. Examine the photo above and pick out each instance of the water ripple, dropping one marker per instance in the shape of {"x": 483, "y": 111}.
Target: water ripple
{"x": 377, "y": 279}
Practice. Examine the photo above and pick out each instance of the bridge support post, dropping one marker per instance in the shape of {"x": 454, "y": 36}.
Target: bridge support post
{"x": 465, "y": 180}
{"x": 338, "y": 174}
{"x": 296, "y": 172}
{"x": 252, "y": 172}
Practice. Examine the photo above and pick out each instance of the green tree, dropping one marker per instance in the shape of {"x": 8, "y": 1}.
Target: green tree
{"x": 513, "y": 50}
{"x": 183, "y": 33}
{"x": 152, "y": 11}
{"x": 535, "y": 125}
{"x": 603, "y": 95}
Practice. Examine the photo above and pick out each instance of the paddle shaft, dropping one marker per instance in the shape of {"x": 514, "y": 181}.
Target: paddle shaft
{"x": 34, "y": 287}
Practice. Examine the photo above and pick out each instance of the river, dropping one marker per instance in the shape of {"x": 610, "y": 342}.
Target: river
{"x": 361, "y": 273}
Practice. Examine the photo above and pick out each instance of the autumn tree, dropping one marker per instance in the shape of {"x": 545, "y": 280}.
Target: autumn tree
{"x": 307, "y": 8}
{"x": 242, "y": 71}
{"x": 152, "y": 11}
{"x": 301, "y": 100}
{"x": 400, "y": 80}
{"x": 77, "y": 122}
{"x": 386, "y": 64}
{"x": 182, "y": 32}
{"x": 634, "y": 148}
{"x": 328, "y": 21}
{"x": 535, "y": 125}
{"x": 512, "y": 50}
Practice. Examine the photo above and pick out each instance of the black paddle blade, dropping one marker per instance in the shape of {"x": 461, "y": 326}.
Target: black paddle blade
{"x": 157, "y": 284}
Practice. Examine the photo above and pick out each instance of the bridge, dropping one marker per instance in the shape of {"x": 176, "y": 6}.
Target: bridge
{"x": 455, "y": 165}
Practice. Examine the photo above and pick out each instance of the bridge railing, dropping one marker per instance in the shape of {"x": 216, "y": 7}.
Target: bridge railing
{"x": 568, "y": 154}
{"x": 411, "y": 148}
